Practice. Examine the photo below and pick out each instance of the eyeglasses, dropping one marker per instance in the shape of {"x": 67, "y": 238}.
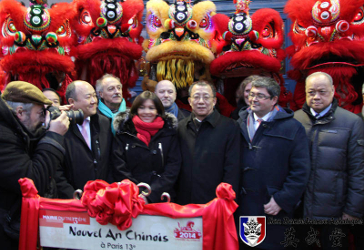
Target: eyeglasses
{"x": 259, "y": 96}
{"x": 320, "y": 92}
{"x": 205, "y": 98}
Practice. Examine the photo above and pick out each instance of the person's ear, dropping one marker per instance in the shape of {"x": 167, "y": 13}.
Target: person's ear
{"x": 101, "y": 95}
{"x": 275, "y": 99}
{"x": 20, "y": 112}
{"x": 190, "y": 101}
{"x": 214, "y": 100}
{"x": 71, "y": 101}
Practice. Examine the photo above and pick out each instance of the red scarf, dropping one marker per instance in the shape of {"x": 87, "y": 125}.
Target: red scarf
{"x": 147, "y": 129}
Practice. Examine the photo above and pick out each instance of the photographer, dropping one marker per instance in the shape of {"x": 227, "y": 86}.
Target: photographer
{"x": 26, "y": 150}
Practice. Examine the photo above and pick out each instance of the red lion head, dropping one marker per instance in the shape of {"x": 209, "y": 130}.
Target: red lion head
{"x": 36, "y": 42}
{"x": 327, "y": 36}
{"x": 108, "y": 39}
{"x": 253, "y": 47}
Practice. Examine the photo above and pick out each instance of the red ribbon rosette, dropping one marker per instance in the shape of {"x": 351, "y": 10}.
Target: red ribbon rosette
{"x": 114, "y": 203}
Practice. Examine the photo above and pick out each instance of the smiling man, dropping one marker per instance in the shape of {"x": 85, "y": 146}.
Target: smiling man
{"x": 88, "y": 146}
{"x": 336, "y": 136}
{"x": 210, "y": 145}
{"x": 275, "y": 159}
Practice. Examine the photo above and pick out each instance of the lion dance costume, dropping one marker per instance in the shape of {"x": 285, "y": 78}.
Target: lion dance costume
{"x": 109, "y": 40}
{"x": 327, "y": 36}
{"x": 36, "y": 42}
{"x": 253, "y": 47}
{"x": 181, "y": 45}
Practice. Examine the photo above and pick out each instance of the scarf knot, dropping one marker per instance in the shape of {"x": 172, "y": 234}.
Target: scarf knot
{"x": 145, "y": 130}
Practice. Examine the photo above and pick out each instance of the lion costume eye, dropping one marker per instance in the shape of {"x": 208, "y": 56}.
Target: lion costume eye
{"x": 359, "y": 17}
{"x": 203, "y": 23}
{"x": 64, "y": 30}
{"x": 268, "y": 31}
{"x": 157, "y": 22}
{"x": 61, "y": 31}
{"x": 298, "y": 28}
{"x": 9, "y": 28}
{"x": 85, "y": 17}
{"x": 133, "y": 22}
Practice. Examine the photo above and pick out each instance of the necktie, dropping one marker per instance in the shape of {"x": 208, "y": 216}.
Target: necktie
{"x": 85, "y": 133}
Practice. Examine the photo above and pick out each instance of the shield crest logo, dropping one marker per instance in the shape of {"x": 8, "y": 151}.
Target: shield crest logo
{"x": 252, "y": 229}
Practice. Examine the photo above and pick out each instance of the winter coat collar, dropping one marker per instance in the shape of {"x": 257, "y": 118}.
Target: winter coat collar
{"x": 212, "y": 118}
{"x": 329, "y": 116}
{"x": 123, "y": 123}
{"x": 283, "y": 113}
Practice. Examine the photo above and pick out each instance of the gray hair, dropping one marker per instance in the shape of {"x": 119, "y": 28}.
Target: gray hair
{"x": 202, "y": 83}
{"x": 99, "y": 82}
{"x": 362, "y": 89}
{"x": 71, "y": 91}
{"x": 269, "y": 84}
{"x": 14, "y": 105}
{"x": 319, "y": 73}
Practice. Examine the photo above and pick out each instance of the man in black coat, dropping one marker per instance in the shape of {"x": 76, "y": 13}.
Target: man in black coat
{"x": 167, "y": 93}
{"x": 275, "y": 161}
{"x": 24, "y": 152}
{"x": 88, "y": 146}
{"x": 336, "y": 136}
{"x": 209, "y": 146}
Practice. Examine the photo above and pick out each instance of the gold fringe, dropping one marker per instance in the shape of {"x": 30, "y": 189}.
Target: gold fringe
{"x": 180, "y": 72}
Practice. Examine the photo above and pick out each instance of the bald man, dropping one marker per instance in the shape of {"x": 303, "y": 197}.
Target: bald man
{"x": 336, "y": 138}
{"x": 167, "y": 93}
{"x": 88, "y": 146}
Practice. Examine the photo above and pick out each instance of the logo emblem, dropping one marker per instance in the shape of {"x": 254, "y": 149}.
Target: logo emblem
{"x": 252, "y": 229}
{"x": 187, "y": 232}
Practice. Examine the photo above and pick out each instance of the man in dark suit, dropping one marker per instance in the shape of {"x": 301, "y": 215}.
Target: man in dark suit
{"x": 210, "y": 148}
{"x": 88, "y": 146}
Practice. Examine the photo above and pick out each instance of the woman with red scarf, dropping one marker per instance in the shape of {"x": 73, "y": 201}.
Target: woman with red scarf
{"x": 147, "y": 142}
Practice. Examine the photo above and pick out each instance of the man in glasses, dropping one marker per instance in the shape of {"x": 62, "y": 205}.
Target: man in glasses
{"x": 275, "y": 160}
{"x": 27, "y": 150}
{"x": 210, "y": 146}
{"x": 336, "y": 136}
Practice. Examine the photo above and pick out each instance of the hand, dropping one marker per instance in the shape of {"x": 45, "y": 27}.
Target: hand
{"x": 349, "y": 217}
{"x": 66, "y": 107}
{"x": 272, "y": 207}
{"x": 60, "y": 125}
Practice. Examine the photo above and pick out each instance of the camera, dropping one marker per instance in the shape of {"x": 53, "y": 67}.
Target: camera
{"x": 75, "y": 116}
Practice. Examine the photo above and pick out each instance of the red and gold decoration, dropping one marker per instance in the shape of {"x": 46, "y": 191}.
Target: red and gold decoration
{"x": 109, "y": 40}
{"x": 36, "y": 43}
{"x": 253, "y": 47}
{"x": 327, "y": 36}
{"x": 118, "y": 203}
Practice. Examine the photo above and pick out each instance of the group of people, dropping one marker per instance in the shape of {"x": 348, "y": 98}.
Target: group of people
{"x": 275, "y": 159}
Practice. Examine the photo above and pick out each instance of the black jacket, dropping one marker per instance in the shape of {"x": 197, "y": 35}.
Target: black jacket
{"x": 275, "y": 163}
{"x": 209, "y": 157}
{"x": 337, "y": 163}
{"x": 21, "y": 156}
{"x": 157, "y": 164}
{"x": 82, "y": 164}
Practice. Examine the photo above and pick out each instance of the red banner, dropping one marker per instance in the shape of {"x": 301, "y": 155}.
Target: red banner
{"x": 118, "y": 203}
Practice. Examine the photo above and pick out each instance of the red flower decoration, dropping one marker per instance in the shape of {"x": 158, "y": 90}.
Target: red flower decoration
{"x": 114, "y": 203}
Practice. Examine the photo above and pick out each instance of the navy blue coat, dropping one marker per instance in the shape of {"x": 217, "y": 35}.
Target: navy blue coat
{"x": 276, "y": 163}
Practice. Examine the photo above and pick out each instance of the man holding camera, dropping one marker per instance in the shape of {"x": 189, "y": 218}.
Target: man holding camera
{"x": 26, "y": 150}
{"x": 88, "y": 146}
